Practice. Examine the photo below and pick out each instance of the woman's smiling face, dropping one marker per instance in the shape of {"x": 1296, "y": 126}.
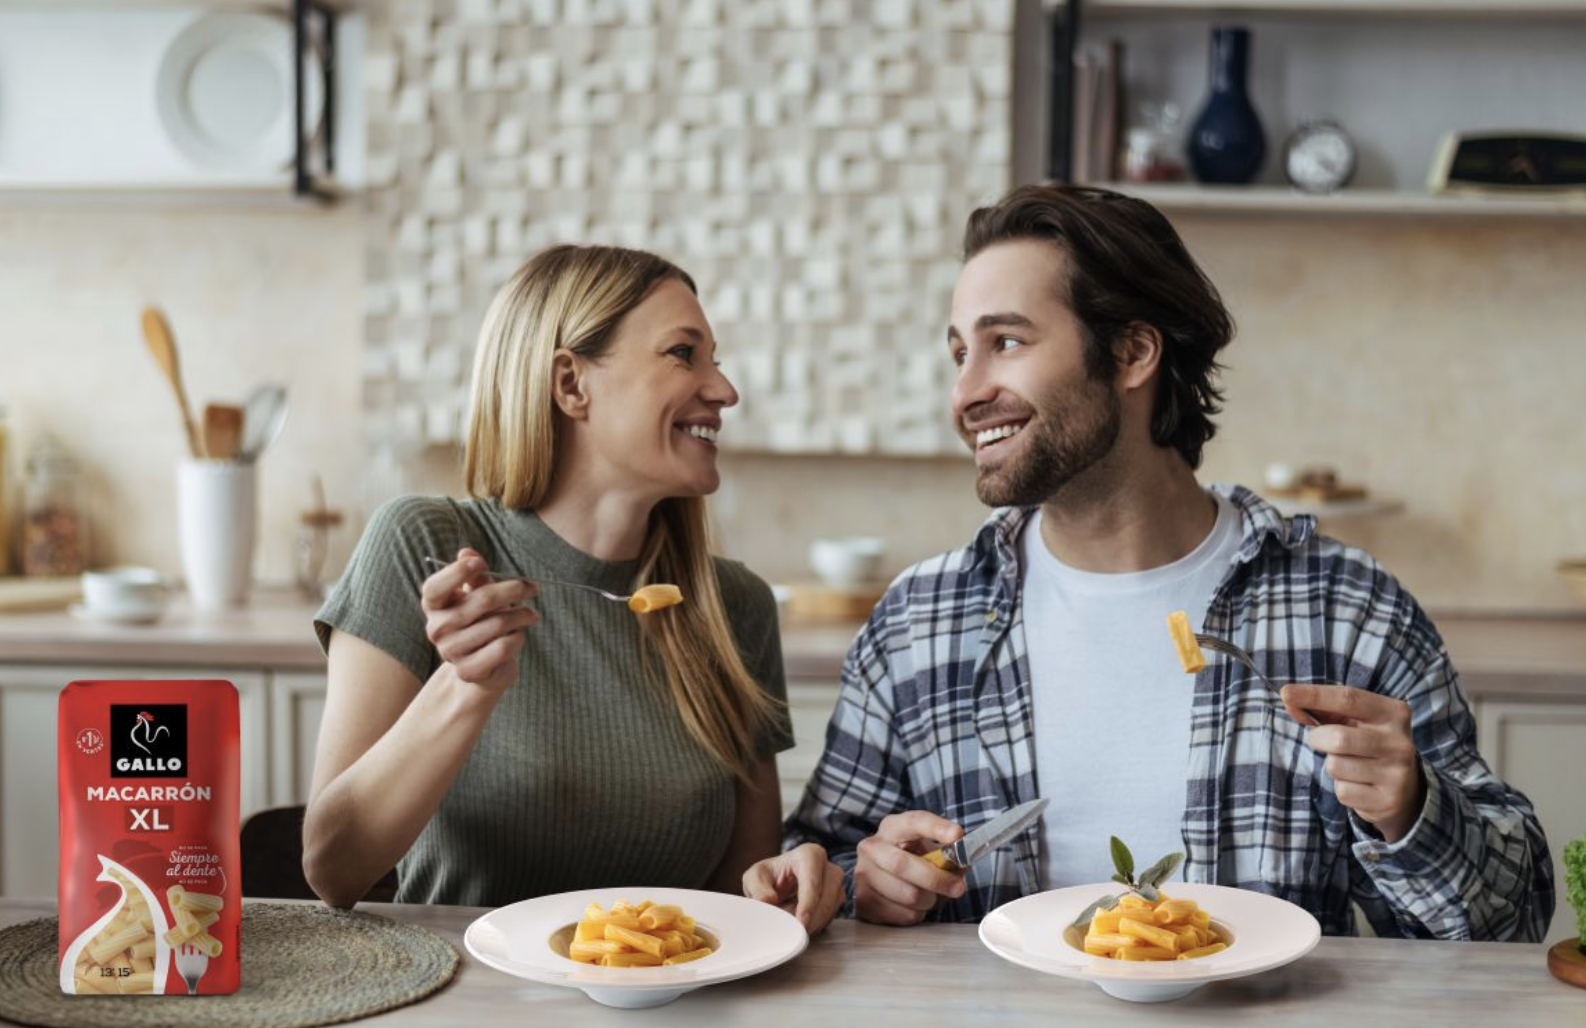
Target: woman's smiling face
{"x": 656, "y": 396}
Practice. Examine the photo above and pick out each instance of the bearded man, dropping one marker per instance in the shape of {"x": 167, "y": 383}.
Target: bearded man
{"x": 1036, "y": 662}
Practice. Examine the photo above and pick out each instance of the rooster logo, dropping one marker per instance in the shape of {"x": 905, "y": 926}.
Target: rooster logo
{"x": 145, "y": 721}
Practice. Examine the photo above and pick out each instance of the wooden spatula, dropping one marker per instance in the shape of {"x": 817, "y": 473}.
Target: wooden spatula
{"x": 222, "y": 431}
{"x": 157, "y": 333}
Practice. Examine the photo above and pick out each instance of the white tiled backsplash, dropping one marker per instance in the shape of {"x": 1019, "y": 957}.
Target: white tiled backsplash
{"x": 809, "y": 162}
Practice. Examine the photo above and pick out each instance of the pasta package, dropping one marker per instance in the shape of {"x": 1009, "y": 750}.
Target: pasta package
{"x": 150, "y": 877}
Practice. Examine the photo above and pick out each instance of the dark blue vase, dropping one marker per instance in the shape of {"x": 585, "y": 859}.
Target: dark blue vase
{"x": 1226, "y": 144}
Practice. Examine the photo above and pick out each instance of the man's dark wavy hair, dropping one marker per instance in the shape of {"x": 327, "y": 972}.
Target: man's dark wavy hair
{"x": 1126, "y": 267}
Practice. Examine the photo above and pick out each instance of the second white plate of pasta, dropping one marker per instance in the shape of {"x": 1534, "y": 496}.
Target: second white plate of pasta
{"x": 532, "y": 940}
{"x": 1261, "y": 932}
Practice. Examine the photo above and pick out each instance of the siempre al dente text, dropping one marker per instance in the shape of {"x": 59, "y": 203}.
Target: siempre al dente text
{"x": 186, "y": 792}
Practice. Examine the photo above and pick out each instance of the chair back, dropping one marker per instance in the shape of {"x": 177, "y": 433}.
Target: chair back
{"x": 272, "y": 858}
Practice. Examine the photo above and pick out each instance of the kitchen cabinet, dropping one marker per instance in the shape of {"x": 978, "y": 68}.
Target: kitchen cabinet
{"x": 297, "y": 702}
{"x": 1396, "y": 75}
{"x": 810, "y": 706}
{"x": 1539, "y": 747}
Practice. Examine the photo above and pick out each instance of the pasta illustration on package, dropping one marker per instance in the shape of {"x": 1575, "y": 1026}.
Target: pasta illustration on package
{"x": 150, "y": 880}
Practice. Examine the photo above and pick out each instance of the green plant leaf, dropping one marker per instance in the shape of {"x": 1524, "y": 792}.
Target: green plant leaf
{"x": 1122, "y": 859}
{"x": 1162, "y": 870}
{"x": 1149, "y": 892}
{"x": 1105, "y": 903}
{"x": 1121, "y": 880}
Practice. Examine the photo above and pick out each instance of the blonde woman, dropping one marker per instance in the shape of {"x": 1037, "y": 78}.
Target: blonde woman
{"x": 497, "y": 739}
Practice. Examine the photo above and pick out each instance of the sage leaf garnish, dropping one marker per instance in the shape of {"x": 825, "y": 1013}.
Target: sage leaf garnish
{"x": 1122, "y": 859}
{"x": 1162, "y": 870}
{"x": 1146, "y": 886}
{"x": 1105, "y": 903}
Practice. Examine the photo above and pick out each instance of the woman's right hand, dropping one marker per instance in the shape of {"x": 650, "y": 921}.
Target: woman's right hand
{"x": 476, "y": 624}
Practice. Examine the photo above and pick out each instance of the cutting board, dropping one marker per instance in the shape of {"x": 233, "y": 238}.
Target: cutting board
{"x": 814, "y": 602}
{"x": 25, "y": 595}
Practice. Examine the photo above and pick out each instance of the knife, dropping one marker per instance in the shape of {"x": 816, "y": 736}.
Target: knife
{"x": 988, "y": 837}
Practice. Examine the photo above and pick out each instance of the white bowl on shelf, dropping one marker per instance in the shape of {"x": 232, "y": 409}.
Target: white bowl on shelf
{"x": 847, "y": 562}
{"x": 131, "y": 595}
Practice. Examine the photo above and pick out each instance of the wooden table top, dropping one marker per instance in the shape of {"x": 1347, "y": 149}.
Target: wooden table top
{"x": 941, "y": 975}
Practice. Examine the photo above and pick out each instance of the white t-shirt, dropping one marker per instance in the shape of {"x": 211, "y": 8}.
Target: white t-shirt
{"x": 1111, "y": 704}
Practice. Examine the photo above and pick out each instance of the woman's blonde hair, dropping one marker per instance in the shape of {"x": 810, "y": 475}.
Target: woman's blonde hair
{"x": 572, "y": 298}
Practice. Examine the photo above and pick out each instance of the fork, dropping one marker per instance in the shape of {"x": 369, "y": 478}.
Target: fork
{"x": 1237, "y": 652}
{"x": 191, "y": 963}
{"x": 436, "y": 562}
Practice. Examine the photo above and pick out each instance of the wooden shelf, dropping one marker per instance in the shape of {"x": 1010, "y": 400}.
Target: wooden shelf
{"x": 1284, "y": 201}
{"x": 1334, "y": 510}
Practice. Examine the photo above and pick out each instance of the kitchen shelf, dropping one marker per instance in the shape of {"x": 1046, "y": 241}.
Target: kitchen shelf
{"x": 1334, "y": 510}
{"x": 1285, "y": 201}
{"x": 117, "y": 122}
{"x": 252, "y": 190}
{"x": 1399, "y": 76}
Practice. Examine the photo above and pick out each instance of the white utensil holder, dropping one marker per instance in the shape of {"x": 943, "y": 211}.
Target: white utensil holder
{"x": 217, "y": 504}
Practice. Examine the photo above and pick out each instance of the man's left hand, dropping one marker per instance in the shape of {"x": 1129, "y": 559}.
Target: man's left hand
{"x": 1370, "y": 752}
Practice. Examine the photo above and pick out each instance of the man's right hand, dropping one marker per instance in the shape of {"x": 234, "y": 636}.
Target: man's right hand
{"x": 893, "y": 883}
{"x": 476, "y": 624}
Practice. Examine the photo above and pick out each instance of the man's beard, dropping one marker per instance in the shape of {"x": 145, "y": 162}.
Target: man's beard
{"x": 1058, "y": 447}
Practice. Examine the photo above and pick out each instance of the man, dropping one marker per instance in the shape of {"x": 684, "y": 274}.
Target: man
{"x": 1036, "y": 661}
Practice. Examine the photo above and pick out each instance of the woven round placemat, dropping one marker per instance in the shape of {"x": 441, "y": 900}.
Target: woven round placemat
{"x": 301, "y": 966}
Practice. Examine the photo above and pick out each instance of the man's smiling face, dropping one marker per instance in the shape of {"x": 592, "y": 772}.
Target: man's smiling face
{"x": 1025, "y": 400}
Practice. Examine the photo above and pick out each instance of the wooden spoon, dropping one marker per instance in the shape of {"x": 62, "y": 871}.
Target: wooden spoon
{"x": 222, "y": 431}
{"x": 157, "y": 333}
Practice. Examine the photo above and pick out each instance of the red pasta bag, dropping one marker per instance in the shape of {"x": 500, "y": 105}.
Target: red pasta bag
{"x": 150, "y": 880}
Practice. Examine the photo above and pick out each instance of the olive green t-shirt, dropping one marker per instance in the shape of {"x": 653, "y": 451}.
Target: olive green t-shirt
{"x": 584, "y": 775}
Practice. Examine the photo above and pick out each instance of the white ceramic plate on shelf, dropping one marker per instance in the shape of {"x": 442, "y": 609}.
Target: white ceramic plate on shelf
{"x": 1267, "y": 932}
{"x": 224, "y": 92}
{"x": 528, "y": 939}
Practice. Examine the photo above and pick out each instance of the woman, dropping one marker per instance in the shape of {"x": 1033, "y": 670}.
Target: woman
{"x": 493, "y": 751}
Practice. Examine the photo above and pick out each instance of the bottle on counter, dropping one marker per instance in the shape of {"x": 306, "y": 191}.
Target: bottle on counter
{"x": 5, "y": 499}
{"x": 54, "y": 516}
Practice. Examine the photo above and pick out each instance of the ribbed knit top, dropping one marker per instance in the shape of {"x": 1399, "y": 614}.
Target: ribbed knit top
{"x": 584, "y": 775}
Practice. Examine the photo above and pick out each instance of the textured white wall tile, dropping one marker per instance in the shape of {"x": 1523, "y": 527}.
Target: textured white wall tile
{"x": 808, "y": 161}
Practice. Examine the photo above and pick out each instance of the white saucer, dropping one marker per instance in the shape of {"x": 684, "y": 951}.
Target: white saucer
{"x": 143, "y": 614}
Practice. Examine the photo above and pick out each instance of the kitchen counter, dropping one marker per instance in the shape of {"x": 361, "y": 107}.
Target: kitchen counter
{"x": 941, "y": 974}
{"x": 1530, "y": 657}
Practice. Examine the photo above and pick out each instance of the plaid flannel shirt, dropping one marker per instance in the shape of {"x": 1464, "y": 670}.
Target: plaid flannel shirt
{"x": 934, "y": 713}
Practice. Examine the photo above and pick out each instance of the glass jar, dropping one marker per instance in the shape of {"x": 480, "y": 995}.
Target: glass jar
{"x": 1151, "y": 148}
{"x": 54, "y": 517}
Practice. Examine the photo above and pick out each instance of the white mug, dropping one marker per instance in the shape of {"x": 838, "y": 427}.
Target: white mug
{"x": 216, "y": 513}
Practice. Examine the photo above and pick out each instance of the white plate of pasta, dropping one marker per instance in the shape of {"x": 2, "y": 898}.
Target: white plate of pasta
{"x": 1258, "y": 933}
{"x": 534, "y": 939}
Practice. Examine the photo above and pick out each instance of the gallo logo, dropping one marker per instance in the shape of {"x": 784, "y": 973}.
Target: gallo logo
{"x": 148, "y": 740}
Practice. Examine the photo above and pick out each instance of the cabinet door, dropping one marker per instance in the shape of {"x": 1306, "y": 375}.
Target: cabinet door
{"x": 29, "y": 822}
{"x": 1537, "y": 748}
{"x": 810, "y": 705}
{"x": 29, "y": 851}
{"x": 297, "y": 702}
